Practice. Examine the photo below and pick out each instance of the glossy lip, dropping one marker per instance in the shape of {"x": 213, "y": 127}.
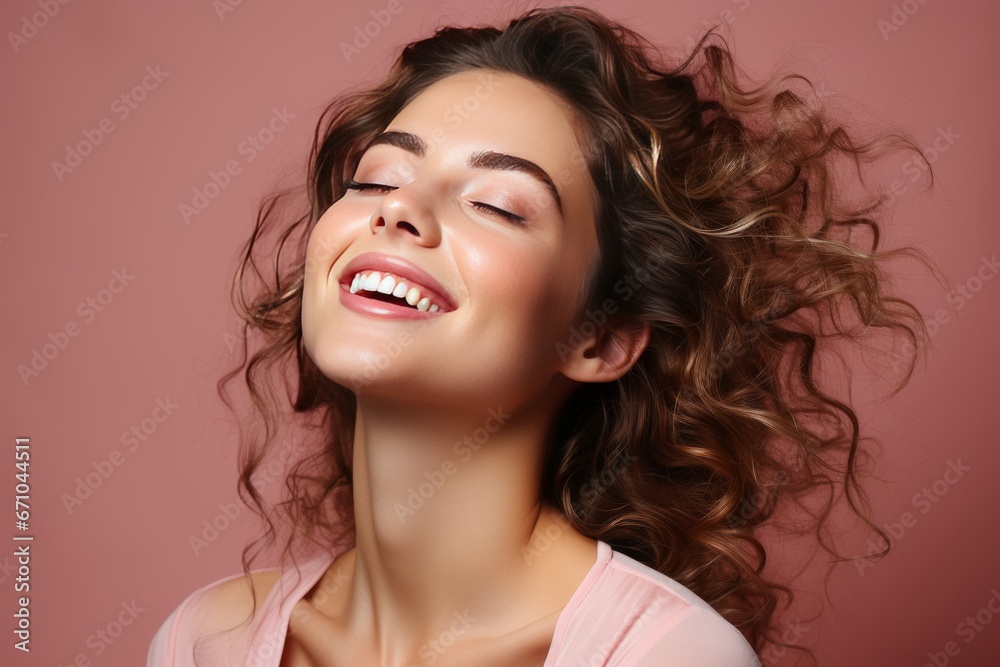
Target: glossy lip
{"x": 376, "y": 261}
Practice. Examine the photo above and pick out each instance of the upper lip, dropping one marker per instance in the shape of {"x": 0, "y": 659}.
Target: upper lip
{"x": 402, "y": 268}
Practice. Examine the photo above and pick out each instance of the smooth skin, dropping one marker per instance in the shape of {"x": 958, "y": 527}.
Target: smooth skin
{"x": 480, "y": 571}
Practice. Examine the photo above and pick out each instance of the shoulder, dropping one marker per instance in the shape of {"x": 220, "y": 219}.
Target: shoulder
{"x": 670, "y": 624}
{"x": 231, "y": 600}
{"x": 699, "y": 639}
{"x": 221, "y": 606}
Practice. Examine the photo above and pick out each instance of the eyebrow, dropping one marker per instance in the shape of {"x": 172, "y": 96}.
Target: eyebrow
{"x": 480, "y": 159}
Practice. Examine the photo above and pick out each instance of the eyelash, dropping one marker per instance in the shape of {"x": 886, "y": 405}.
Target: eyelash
{"x": 516, "y": 219}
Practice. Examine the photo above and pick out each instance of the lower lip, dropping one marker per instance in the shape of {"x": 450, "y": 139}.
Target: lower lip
{"x": 366, "y": 306}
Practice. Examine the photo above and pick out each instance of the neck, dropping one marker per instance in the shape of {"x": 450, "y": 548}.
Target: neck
{"x": 448, "y": 515}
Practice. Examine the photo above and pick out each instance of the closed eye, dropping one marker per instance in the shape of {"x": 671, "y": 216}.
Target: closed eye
{"x": 516, "y": 219}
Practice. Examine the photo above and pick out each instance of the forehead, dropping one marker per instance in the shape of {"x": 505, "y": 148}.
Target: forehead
{"x": 487, "y": 109}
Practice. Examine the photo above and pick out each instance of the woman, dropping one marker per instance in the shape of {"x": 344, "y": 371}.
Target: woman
{"x": 549, "y": 317}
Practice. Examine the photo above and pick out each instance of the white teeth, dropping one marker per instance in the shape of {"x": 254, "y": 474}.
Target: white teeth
{"x": 375, "y": 281}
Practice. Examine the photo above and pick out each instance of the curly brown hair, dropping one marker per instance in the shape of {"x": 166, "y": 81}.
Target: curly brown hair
{"x": 723, "y": 225}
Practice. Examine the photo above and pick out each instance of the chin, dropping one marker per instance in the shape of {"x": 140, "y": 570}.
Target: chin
{"x": 351, "y": 365}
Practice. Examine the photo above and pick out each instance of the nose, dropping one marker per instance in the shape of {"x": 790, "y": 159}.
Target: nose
{"x": 401, "y": 213}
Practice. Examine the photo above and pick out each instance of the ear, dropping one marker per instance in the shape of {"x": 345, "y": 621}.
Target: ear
{"x": 607, "y": 354}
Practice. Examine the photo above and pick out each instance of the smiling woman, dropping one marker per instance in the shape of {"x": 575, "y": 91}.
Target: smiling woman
{"x": 593, "y": 279}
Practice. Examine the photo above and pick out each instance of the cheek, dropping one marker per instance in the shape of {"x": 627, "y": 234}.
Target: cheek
{"x": 330, "y": 236}
{"x": 527, "y": 293}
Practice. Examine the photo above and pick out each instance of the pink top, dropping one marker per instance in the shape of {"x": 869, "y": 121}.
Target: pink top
{"x": 624, "y": 614}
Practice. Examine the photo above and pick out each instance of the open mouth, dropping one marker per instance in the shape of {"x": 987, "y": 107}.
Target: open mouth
{"x": 388, "y": 288}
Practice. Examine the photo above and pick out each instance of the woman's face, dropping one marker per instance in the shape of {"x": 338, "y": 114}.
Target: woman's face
{"x": 486, "y": 297}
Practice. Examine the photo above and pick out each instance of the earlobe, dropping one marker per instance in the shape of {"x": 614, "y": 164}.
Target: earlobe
{"x": 607, "y": 355}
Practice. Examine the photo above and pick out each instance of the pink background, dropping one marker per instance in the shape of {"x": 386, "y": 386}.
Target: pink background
{"x": 163, "y": 337}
